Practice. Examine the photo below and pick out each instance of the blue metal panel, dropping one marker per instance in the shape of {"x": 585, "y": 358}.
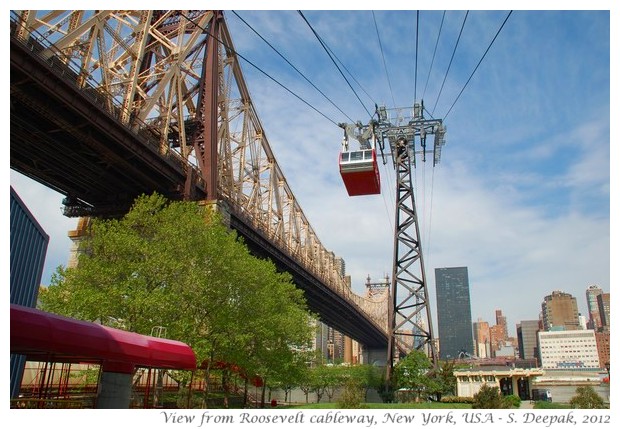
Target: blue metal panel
{"x": 28, "y": 248}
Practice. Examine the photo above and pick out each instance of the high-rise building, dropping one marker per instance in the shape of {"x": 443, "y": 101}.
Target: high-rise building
{"x": 594, "y": 317}
{"x": 500, "y": 320}
{"x": 453, "y": 312}
{"x": 340, "y": 265}
{"x": 583, "y": 322}
{"x": 559, "y": 310}
{"x": 482, "y": 339}
{"x": 497, "y": 335}
{"x": 603, "y": 308}
{"x": 602, "y": 345}
{"x": 568, "y": 349}
{"x": 335, "y": 344}
{"x": 526, "y": 334}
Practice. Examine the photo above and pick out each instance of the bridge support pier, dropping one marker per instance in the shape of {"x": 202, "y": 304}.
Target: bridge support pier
{"x": 220, "y": 207}
{"x": 81, "y": 231}
{"x": 348, "y": 349}
{"x": 115, "y": 386}
{"x": 376, "y": 357}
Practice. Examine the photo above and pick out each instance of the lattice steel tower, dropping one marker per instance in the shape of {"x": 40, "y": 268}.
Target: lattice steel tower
{"x": 409, "y": 293}
{"x": 405, "y": 130}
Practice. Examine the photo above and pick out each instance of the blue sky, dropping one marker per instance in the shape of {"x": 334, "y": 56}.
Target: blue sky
{"x": 522, "y": 194}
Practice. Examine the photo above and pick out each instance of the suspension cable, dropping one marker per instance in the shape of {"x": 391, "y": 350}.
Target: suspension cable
{"x": 434, "y": 52}
{"x": 289, "y": 63}
{"x": 257, "y": 68}
{"x": 386, "y": 173}
{"x": 383, "y": 57}
{"x": 350, "y": 74}
{"x": 333, "y": 61}
{"x": 430, "y": 219}
{"x": 415, "y": 79}
{"x": 450, "y": 64}
{"x": 478, "y": 65}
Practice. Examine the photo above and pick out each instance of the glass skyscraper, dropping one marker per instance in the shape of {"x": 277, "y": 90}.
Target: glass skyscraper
{"x": 594, "y": 319}
{"x": 453, "y": 312}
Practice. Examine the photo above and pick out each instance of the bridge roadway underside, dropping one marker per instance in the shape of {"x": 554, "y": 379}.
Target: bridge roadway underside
{"x": 332, "y": 309}
{"x": 62, "y": 138}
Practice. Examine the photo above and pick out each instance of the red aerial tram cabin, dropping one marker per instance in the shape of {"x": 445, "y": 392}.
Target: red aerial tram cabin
{"x": 360, "y": 172}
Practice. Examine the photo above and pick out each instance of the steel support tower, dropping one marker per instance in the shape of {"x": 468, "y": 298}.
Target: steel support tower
{"x": 405, "y": 130}
{"x": 410, "y": 322}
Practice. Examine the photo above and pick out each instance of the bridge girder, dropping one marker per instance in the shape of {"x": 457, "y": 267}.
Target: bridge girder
{"x": 131, "y": 102}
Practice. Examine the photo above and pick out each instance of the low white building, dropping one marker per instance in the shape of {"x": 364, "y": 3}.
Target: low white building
{"x": 510, "y": 381}
{"x": 568, "y": 349}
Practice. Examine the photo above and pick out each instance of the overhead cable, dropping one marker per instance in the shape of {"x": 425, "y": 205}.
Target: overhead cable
{"x": 229, "y": 48}
{"x": 289, "y": 63}
{"x": 333, "y": 61}
{"x": 450, "y": 64}
{"x": 415, "y": 79}
{"x": 430, "y": 218}
{"x": 478, "y": 65}
{"x": 434, "y": 52}
{"x": 383, "y": 57}
{"x": 350, "y": 74}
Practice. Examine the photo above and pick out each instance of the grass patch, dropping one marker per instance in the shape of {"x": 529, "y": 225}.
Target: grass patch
{"x": 544, "y": 405}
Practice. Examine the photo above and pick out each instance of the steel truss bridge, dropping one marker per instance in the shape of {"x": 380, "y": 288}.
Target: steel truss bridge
{"x": 108, "y": 105}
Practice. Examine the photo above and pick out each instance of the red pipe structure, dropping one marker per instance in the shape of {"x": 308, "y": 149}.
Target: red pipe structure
{"x": 55, "y": 338}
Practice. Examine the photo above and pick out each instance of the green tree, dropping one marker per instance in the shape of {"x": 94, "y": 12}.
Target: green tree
{"x": 353, "y": 394}
{"x": 411, "y": 373}
{"x": 512, "y": 401}
{"x": 306, "y": 384}
{"x": 174, "y": 264}
{"x": 367, "y": 377}
{"x": 488, "y": 397}
{"x": 319, "y": 380}
{"x": 586, "y": 397}
{"x": 444, "y": 381}
{"x": 332, "y": 377}
{"x": 291, "y": 374}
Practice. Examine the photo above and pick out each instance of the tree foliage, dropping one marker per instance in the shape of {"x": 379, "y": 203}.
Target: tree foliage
{"x": 173, "y": 264}
{"x": 412, "y": 373}
{"x": 587, "y": 397}
{"x": 444, "y": 380}
{"x": 489, "y": 397}
{"x": 327, "y": 378}
{"x": 291, "y": 374}
{"x": 367, "y": 377}
{"x": 353, "y": 394}
{"x": 512, "y": 401}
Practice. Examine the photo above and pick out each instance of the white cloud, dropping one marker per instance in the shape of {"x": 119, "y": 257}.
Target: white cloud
{"x": 516, "y": 254}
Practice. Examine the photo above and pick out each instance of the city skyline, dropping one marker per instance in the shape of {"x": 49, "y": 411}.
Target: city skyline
{"x": 512, "y": 325}
{"x": 520, "y": 170}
